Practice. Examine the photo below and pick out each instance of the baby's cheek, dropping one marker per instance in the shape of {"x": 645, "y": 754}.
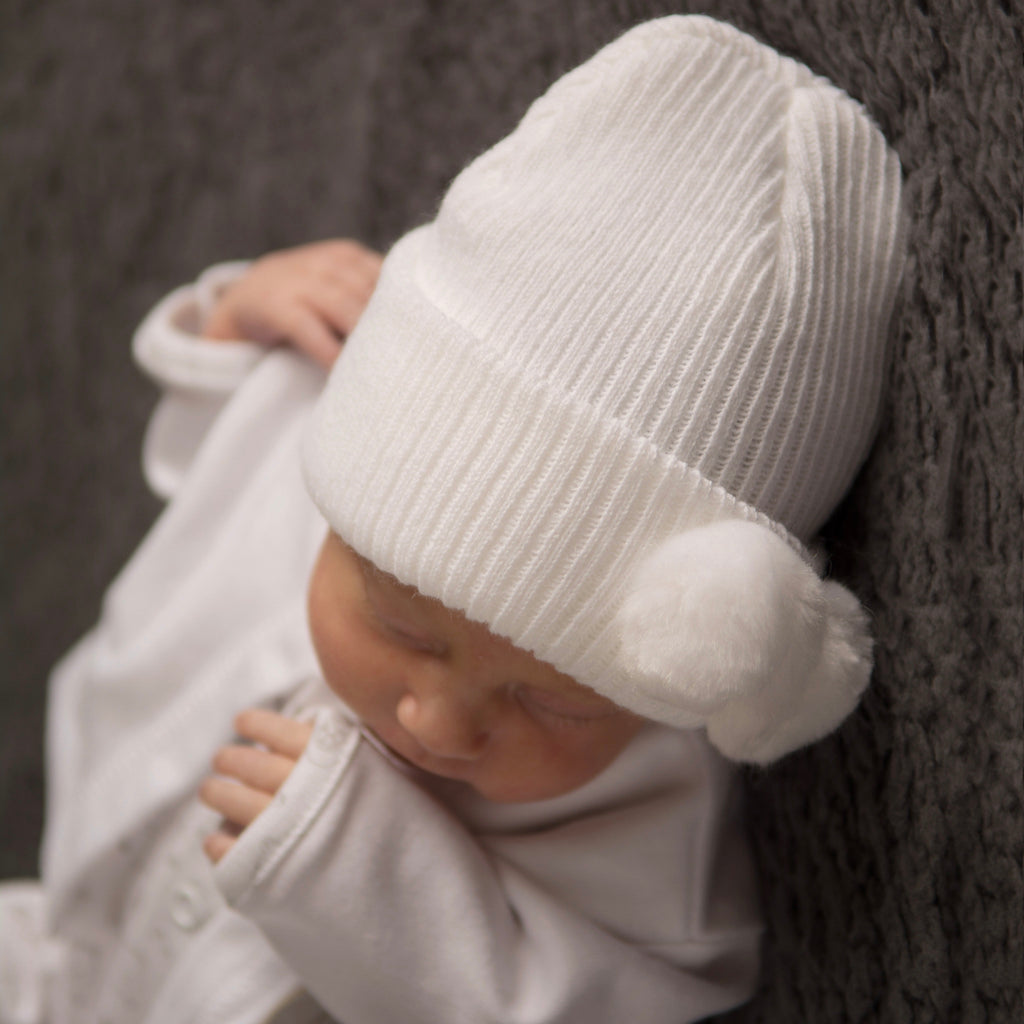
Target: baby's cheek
{"x": 341, "y": 654}
{"x": 347, "y": 678}
{"x": 554, "y": 761}
{"x": 363, "y": 679}
{"x": 592, "y": 749}
{"x": 583, "y": 761}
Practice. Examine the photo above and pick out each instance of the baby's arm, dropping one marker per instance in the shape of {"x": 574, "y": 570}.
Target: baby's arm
{"x": 388, "y": 908}
{"x": 309, "y": 297}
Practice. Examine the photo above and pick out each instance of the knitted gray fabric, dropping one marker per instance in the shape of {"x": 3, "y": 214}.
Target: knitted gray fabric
{"x": 140, "y": 142}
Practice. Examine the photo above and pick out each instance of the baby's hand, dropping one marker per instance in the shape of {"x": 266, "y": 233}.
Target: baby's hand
{"x": 309, "y": 297}
{"x": 248, "y": 777}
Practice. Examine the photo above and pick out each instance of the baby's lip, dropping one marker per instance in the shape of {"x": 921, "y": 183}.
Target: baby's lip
{"x": 411, "y": 753}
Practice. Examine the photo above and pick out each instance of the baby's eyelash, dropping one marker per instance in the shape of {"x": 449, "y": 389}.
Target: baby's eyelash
{"x": 536, "y": 706}
{"x": 398, "y": 630}
{"x": 411, "y": 639}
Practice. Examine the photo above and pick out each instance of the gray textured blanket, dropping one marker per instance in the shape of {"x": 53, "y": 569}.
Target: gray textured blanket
{"x": 141, "y": 142}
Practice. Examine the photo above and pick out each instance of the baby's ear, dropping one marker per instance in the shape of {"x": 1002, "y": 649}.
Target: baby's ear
{"x": 726, "y": 626}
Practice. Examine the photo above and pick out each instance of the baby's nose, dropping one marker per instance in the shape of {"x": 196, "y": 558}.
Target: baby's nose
{"x": 443, "y": 725}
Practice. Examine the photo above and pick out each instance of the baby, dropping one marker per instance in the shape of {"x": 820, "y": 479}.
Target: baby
{"x": 570, "y": 460}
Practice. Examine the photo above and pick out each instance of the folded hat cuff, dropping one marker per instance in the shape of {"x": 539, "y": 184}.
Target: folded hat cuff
{"x": 499, "y": 494}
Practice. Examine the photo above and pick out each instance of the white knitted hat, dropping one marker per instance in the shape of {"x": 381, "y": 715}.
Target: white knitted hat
{"x": 600, "y": 401}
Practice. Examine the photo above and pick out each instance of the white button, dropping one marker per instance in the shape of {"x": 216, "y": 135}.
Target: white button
{"x": 189, "y": 907}
{"x": 329, "y": 737}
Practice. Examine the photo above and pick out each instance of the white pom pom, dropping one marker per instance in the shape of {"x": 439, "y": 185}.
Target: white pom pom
{"x": 726, "y": 626}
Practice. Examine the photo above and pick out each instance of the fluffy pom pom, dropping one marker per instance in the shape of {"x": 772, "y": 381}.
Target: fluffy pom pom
{"x": 727, "y": 627}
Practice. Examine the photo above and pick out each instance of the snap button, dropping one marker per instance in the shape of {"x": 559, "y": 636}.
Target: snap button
{"x": 327, "y": 741}
{"x": 330, "y": 736}
{"x": 189, "y": 907}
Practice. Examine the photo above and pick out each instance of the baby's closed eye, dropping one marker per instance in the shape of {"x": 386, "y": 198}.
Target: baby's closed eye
{"x": 579, "y": 709}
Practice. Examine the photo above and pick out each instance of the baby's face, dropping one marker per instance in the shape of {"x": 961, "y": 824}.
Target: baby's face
{"x": 449, "y": 696}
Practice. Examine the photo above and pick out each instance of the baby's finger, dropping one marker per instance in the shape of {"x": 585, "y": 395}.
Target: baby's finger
{"x": 256, "y": 768}
{"x": 309, "y": 333}
{"x": 345, "y": 256}
{"x": 352, "y": 268}
{"x": 282, "y": 735}
{"x": 217, "y": 844}
{"x": 365, "y": 271}
{"x": 338, "y": 306}
{"x": 239, "y": 804}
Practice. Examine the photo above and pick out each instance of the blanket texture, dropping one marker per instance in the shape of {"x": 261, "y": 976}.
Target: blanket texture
{"x": 141, "y": 142}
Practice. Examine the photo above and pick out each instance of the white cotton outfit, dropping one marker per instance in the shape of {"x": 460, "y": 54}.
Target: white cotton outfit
{"x": 367, "y": 889}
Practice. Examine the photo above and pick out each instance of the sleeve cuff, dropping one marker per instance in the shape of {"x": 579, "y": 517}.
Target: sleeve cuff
{"x": 169, "y": 348}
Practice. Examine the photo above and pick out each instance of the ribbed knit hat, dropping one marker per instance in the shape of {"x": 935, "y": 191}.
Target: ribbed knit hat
{"x": 603, "y": 399}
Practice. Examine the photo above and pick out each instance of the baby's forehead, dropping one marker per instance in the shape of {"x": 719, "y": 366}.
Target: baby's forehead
{"x": 389, "y": 583}
{"x": 498, "y": 649}
{"x": 379, "y": 575}
{"x": 393, "y": 585}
